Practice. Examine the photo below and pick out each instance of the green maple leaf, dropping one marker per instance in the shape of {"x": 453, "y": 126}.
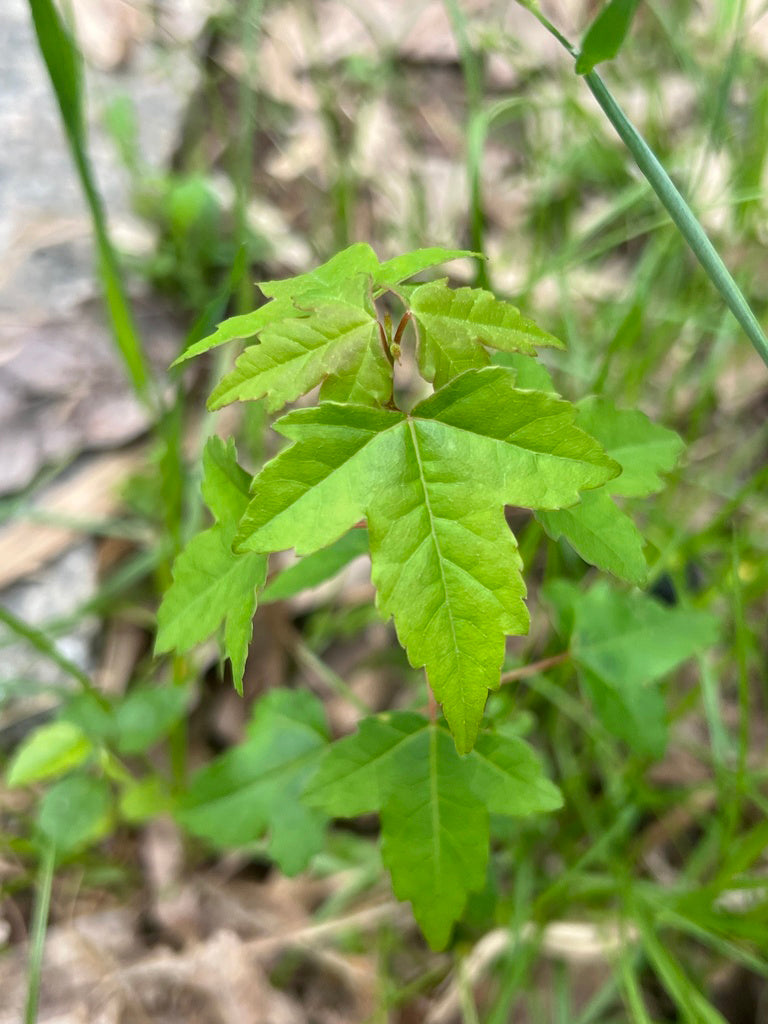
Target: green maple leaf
{"x": 598, "y": 530}
{"x": 296, "y": 355}
{"x": 432, "y": 485}
{"x": 211, "y": 583}
{"x": 456, "y": 324}
{"x": 254, "y": 788}
{"x": 434, "y": 805}
{"x": 623, "y": 644}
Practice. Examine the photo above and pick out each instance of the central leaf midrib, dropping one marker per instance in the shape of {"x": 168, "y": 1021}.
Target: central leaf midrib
{"x": 435, "y": 541}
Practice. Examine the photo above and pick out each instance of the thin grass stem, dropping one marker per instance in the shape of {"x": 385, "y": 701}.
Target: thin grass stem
{"x": 39, "y": 928}
{"x": 669, "y": 196}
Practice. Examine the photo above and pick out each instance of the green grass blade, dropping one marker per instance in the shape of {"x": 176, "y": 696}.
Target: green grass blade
{"x": 691, "y": 1004}
{"x": 37, "y": 639}
{"x": 63, "y": 63}
{"x": 681, "y": 214}
{"x": 39, "y": 926}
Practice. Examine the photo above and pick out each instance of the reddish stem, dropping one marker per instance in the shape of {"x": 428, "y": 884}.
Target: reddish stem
{"x": 524, "y": 671}
{"x": 401, "y": 327}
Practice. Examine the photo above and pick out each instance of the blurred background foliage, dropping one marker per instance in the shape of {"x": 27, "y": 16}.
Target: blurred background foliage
{"x": 301, "y": 127}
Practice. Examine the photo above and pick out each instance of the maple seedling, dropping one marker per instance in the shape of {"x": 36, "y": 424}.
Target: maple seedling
{"x": 431, "y": 483}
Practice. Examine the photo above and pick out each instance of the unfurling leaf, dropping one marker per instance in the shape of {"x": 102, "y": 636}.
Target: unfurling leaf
{"x": 432, "y": 485}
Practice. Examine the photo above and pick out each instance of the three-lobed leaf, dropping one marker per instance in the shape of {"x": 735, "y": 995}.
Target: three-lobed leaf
{"x": 434, "y": 805}
{"x": 336, "y": 340}
{"x": 432, "y": 485}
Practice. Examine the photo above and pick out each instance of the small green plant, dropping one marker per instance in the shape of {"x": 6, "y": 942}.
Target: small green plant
{"x": 430, "y": 482}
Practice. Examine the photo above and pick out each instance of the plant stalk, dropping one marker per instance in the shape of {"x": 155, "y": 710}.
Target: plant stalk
{"x": 39, "y": 926}
{"x": 680, "y": 212}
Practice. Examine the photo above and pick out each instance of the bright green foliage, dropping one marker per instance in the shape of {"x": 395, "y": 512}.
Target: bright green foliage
{"x": 530, "y": 374}
{"x": 254, "y": 788}
{"x": 356, "y": 267}
{"x": 243, "y": 326}
{"x": 225, "y": 484}
{"x": 49, "y": 751}
{"x": 605, "y": 35}
{"x": 317, "y": 568}
{"x": 75, "y": 812}
{"x": 623, "y": 645}
{"x": 211, "y": 584}
{"x": 142, "y": 800}
{"x": 294, "y": 356}
{"x": 434, "y": 805}
{"x": 400, "y": 268}
{"x": 330, "y": 278}
{"x": 433, "y": 486}
{"x": 456, "y": 323}
{"x": 597, "y": 528}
